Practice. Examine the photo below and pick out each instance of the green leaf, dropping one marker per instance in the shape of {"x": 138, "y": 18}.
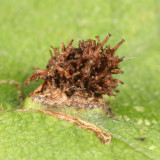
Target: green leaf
{"x": 27, "y": 28}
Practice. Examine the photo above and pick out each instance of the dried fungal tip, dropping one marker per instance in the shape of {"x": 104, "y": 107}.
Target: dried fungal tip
{"x": 51, "y": 53}
{"x": 63, "y": 47}
{"x": 100, "y": 45}
{"x": 117, "y": 46}
{"x": 70, "y": 43}
{"x": 55, "y": 51}
{"x": 98, "y": 39}
{"x": 121, "y": 59}
{"x": 84, "y": 72}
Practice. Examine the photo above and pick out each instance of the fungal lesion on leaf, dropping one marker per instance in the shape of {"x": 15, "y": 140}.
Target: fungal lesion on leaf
{"x": 79, "y": 76}
{"x": 104, "y": 137}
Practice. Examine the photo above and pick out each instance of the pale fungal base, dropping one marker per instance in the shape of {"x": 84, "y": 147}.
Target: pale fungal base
{"x": 56, "y": 98}
{"x": 103, "y": 136}
{"x": 15, "y": 83}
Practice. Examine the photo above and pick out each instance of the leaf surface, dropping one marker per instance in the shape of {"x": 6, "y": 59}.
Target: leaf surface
{"x": 27, "y": 28}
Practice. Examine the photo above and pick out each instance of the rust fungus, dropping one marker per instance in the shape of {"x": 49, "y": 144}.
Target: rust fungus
{"x": 79, "y": 76}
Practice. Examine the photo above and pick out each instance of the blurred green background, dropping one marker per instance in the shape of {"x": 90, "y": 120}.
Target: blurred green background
{"x": 29, "y": 27}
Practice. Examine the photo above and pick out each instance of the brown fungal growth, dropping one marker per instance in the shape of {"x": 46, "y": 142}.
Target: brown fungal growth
{"x": 79, "y": 76}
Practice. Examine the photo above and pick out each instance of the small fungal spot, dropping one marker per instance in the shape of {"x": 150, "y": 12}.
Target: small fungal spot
{"x": 140, "y": 139}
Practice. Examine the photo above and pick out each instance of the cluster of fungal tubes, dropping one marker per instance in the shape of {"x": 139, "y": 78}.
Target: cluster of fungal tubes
{"x": 78, "y": 76}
